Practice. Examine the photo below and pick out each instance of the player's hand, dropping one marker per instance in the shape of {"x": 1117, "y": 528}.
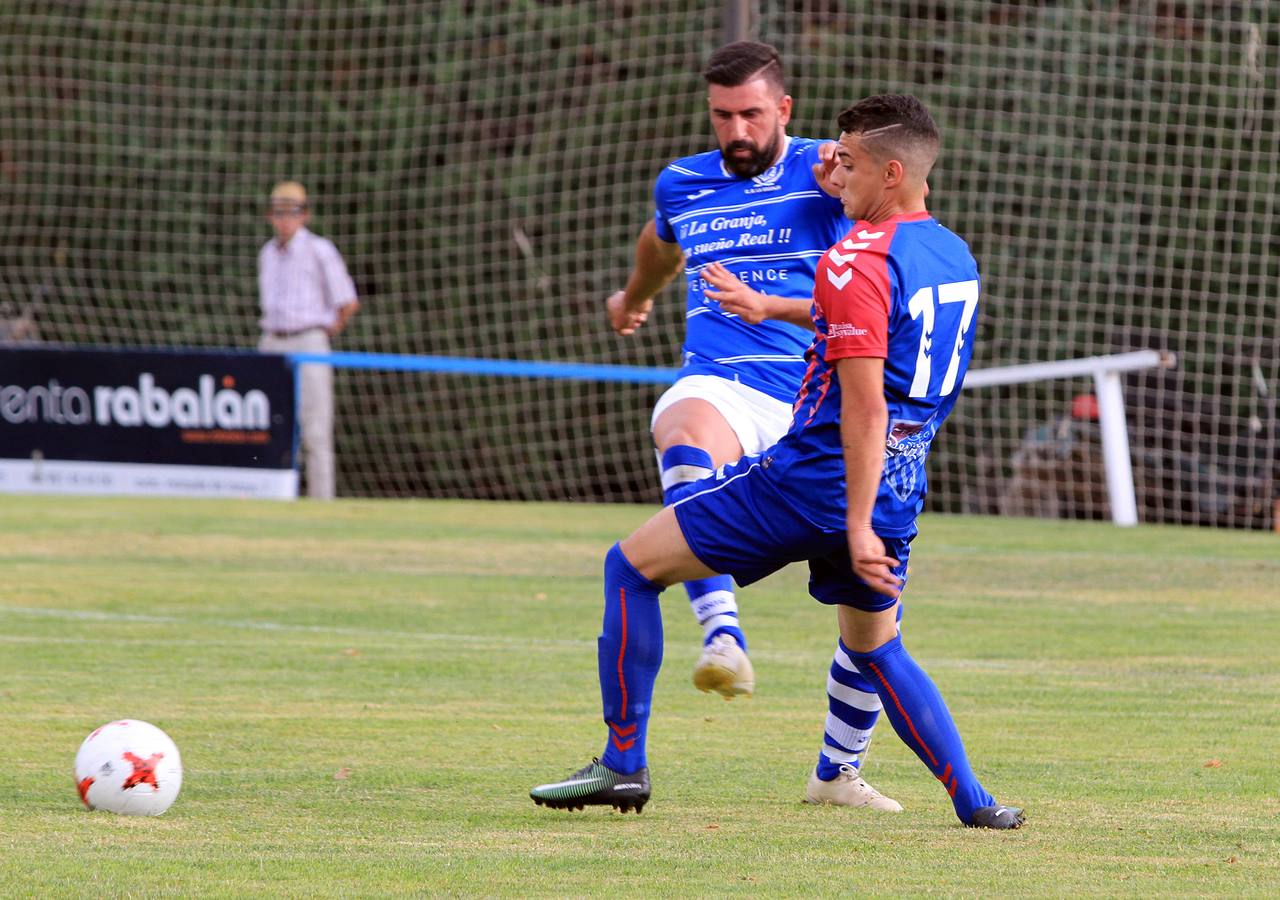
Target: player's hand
{"x": 871, "y": 564}
{"x": 749, "y": 305}
{"x": 622, "y": 320}
{"x": 827, "y": 162}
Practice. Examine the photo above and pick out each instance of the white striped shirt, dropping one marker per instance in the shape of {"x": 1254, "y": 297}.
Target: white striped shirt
{"x": 303, "y": 283}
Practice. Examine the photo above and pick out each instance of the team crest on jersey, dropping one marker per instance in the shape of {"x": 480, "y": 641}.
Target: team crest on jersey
{"x": 900, "y": 430}
{"x": 767, "y": 180}
{"x": 906, "y": 446}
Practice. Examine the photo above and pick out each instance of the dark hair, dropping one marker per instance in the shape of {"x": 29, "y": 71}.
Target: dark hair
{"x": 894, "y": 126}
{"x": 742, "y": 61}
{"x": 885, "y": 110}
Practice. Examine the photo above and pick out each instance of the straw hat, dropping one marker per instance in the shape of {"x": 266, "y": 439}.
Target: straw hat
{"x": 289, "y": 192}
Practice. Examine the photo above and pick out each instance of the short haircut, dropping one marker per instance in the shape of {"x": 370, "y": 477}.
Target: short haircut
{"x": 735, "y": 64}
{"x": 894, "y": 126}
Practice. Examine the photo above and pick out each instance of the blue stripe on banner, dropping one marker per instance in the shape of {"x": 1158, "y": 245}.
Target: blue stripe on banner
{"x": 512, "y": 368}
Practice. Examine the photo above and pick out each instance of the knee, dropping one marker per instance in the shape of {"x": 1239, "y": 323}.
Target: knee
{"x": 677, "y": 436}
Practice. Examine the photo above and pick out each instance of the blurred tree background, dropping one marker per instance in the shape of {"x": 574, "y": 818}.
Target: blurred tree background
{"x": 485, "y": 168}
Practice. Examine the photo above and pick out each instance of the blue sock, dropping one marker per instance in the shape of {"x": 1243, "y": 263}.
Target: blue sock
{"x": 852, "y": 710}
{"x": 629, "y": 653}
{"x": 712, "y": 598}
{"x": 920, "y": 717}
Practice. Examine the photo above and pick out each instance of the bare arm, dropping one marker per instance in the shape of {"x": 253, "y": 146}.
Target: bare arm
{"x": 864, "y": 420}
{"x": 752, "y": 306}
{"x": 824, "y": 167}
{"x": 656, "y": 263}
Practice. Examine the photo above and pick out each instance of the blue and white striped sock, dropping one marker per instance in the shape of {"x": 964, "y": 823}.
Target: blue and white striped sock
{"x": 712, "y": 599}
{"x": 853, "y": 706}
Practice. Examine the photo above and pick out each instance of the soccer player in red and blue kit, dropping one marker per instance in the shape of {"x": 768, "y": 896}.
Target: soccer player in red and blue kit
{"x": 895, "y": 308}
{"x": 746, "y": 224}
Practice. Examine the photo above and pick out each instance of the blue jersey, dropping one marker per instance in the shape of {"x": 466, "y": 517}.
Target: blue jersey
{"x": 770, "y": 231}
{"x": 904, "y": 290}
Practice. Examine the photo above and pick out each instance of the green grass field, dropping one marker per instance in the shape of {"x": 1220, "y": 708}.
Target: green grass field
{"x": 364, "y": 691}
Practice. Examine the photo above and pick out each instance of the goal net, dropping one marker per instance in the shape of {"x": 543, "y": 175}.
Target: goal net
{"x": 485, "y": 166}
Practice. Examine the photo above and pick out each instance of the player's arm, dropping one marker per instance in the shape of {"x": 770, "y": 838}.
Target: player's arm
{"x": 864, "y": 422}
{"x": 823, "y": 168}
{"x": 656, "y": 263}
{"x": 750, "y": 305}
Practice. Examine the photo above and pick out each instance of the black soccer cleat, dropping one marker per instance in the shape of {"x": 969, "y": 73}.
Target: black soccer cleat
{"x": 595, "y": 784}
{"x": 1000, "y": 817}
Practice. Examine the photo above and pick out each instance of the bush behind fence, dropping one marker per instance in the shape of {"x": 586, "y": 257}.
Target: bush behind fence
{"x": 485, "y": 168}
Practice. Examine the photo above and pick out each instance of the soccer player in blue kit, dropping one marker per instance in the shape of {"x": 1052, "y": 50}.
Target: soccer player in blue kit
{"x": 895, "y": 310}
{"x": 746, "y": 225}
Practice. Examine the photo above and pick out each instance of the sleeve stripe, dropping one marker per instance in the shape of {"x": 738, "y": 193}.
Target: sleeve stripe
{"x": 797, "y": 195}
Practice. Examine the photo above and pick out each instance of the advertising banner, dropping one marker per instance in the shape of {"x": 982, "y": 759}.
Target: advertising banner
{"x": 186, "y": 423}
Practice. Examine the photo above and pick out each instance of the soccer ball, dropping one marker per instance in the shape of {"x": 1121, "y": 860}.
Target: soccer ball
{"x": 129, "y": 767}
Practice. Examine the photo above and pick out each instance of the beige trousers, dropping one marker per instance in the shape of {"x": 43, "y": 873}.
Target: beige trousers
{"x": 315, "y": 407}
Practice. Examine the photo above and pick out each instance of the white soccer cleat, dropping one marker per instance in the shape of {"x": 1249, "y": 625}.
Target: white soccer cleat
{"x": 725, "y": 669}
{"x": 848, "y": 789}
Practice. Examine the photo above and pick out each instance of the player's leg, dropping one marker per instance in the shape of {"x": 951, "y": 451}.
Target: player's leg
{"x": 629, "y": 655}
{"x": 853, "y": 708}
{"x": 713, "y": 529}
{"x": 914, "y": 705}
{"x": 636, "y": 571}
{"x": 694, "y": 438}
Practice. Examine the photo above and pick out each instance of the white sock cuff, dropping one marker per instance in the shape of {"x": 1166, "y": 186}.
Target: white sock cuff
{"x": 683, "y": 474}
{"x": 715, "y": 603}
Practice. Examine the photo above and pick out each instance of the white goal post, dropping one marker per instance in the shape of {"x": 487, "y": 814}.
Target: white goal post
{"x": 1106, "y": 372}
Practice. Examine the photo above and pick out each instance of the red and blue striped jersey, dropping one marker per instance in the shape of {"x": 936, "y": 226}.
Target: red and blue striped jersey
{"x": 904, "y": 290}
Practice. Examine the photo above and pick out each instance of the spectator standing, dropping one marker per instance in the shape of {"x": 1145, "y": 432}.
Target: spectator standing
{"x": 307, "y": 299}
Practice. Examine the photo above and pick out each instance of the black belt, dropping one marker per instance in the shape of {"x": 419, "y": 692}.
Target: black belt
{"x": 289, "y": 334}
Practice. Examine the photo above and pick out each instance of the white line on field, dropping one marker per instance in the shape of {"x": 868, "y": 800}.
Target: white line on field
{"x": 470, "y": 641}
{"x": 87, "y": 615}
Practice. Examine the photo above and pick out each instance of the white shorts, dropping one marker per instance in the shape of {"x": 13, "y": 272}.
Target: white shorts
{"x": 756, "y": 418}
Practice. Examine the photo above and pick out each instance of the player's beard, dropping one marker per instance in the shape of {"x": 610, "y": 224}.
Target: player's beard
{"x": 752, "y": 164}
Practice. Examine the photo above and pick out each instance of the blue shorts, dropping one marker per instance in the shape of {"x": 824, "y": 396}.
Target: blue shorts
{"x": 738, "y": 524}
